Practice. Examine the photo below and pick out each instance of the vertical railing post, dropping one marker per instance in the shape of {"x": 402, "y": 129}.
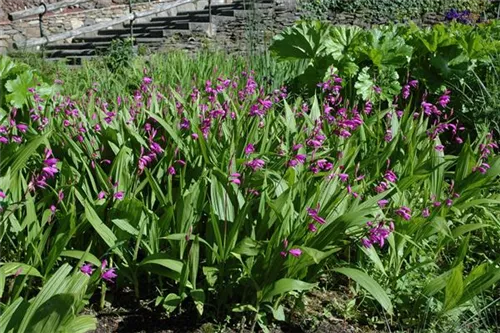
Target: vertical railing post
{"x": 130, "y": 10}
{"x": 210, "y": 18}
{"x": 40, "y": 24}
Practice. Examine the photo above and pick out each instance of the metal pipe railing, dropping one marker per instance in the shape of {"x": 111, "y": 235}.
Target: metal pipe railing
{"x": 43, "y": 8}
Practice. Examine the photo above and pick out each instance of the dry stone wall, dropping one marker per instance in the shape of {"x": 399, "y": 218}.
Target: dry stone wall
{"x": 247, "y": 31}
{"x": 53, "y": 23}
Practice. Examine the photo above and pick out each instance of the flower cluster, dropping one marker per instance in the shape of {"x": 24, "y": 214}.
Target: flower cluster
{"x": 404, "y": 212}
{"x": 294, "y": 252}
{"x": 255, "y": 164}
{"x": 464, "y": 16}
{"x": 486, "y": 149}
{"x": 377, "y": 234}
{"x": 314, "y": 214}
{"x": 49, "y": 171}
{"x": 106, "y": 274}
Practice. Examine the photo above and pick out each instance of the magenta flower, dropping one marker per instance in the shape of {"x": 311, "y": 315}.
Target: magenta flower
{"x": 4, "y": 140}
{"x": 313, "y": 213}
{"x": 295, "y": 252}
{"x": 444, "y": 99}
{"x": 22, "y": 127}
{"x": 406, "y": 91}
{"x": 439, "y": 148}
{"x": 377, "y": 234}
{"x": 235, "y": 178}
{"x": 368, "y": 107}
{"x": 60, "y": 196}
{"x": 156, "y": 148}
{"x": 109, "y": 275}
{"x": 343, "y": 177}
{"x": 249, "y": 149}
{"x": 388, "y": 136}
{"x": 298, "y": 159}
{"x": 87, "y": 269}
{"x": 118, "y": 195}
{"x": 381, "y": 187}
{"x": 324, "y": 164}
{"x": 390, "y": 176}
{"x": 404, "y": 212}
{"x": 49, "y": 170}
{"x": 255, "y": 164}
{"x": 483, "y": 168}
{"x": 426, "y": 212}
{"x": 314, "y": 143}
{"x": 101, "y": 195}
{"x": 382, "y": 203}
{"x": 253, "y": 192}
{"x": 312, "y": 227}
{"x": 171, "y": 170}
{"x": 366, "y": 243}
{"x": 147, "y": 80}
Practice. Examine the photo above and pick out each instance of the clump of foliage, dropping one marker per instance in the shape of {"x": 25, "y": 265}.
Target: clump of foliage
{"x": 390, "y": 10}
{"x": 230, "y": 195}
{"x": 456, "y": 56}
{"x": 119, "y": 55}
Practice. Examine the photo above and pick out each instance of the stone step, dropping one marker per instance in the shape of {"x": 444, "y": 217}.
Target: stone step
{"x": 194, "y": 13}
{"x": 136, "y": 32}
{"x": 226, "y": 5}
{"x": 140, "y": 40}
{"x": 70, "y": 46}
{"x": 181, "y": 23}
{"x": 161, "y": 19}
{"x": 173, "y": 32}
{"x": 74, "y": 53}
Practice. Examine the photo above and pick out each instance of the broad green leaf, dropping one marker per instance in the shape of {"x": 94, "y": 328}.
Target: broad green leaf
{"x": 81, "y": 324}
{"x": 162, "y": 259}
{"x": 50, "y": 315}
{"x": 81, "y": 255}
{"x": 9, "y": 313}
{"x": 18, "y": 89}
{"x": 198, "y": 296}
{"x": 106, "y": 234}
{"x": 284, "y": 286}
{"x": 369, "y": 284}
{"x": 16, "y": 268}
{"x": 290, "y": 118}
{"x": 305, "y": 40}
{"x": 50, "y": 289}
{"x": 454, "y": 288}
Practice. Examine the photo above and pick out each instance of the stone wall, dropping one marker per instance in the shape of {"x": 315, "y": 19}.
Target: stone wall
{"x": 247, "y": 31}
{"x": 367, "y": 19}
{"x": 20, "y": 30}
